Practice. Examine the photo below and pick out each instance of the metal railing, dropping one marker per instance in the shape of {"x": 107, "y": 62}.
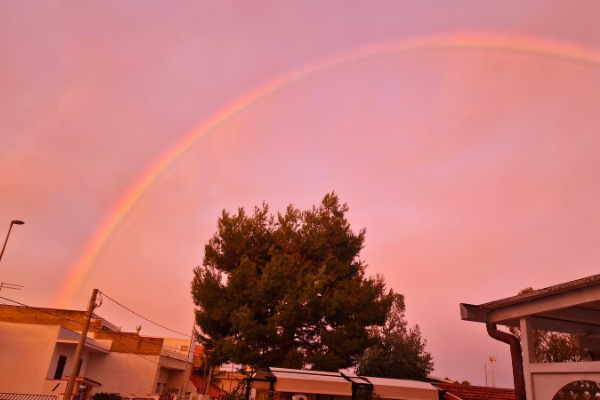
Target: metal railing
{"x": 23, "y": 396}
{"x": 173, "y": 353}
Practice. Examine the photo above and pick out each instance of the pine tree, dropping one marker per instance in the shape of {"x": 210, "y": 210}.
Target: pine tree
{"x": 288, "y": 290}
{"x": 399, "y": 352}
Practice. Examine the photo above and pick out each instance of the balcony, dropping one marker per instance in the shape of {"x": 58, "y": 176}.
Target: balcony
{"x": 174, "y": 353}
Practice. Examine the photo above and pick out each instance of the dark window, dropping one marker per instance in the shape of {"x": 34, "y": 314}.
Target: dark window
{"x": 60, "y": 367}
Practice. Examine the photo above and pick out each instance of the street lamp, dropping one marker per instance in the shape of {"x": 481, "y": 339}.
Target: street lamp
{"x": 13, "y": 222}
{"x": 492, "y": 359}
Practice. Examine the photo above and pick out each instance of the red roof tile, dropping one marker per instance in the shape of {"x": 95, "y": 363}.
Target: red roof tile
{"x": 213, "y": 391}
{"x": 463, "y": 392}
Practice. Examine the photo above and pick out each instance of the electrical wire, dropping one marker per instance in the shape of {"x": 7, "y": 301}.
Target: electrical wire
{"x": 141, "y": 316}
{"x": 77, "y": 322}
{"x": 41, "y": 310}
{"x": 132, "y": 352}
{"x": 48, "y": 328}
{"x": 60, "y": 316}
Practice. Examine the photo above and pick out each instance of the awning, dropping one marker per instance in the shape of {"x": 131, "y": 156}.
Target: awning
{"x": 403, "y": 389}
{"x": 334, "y": 383}
{"x": 299, "y": 381}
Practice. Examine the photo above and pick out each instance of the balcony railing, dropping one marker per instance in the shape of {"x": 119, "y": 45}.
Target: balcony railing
{"x": 173, "y": 353}
{"x": 21, "y": 396}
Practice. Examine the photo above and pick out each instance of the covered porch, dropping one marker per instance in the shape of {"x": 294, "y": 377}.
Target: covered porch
{"x": 61, "y": 364}
{"x": 571, "y": 307}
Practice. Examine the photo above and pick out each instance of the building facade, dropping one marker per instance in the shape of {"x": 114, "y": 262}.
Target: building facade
{"x": 37, "y": 348}
{"x": 571, "y": 308}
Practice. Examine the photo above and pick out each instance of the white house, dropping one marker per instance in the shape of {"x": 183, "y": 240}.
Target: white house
{"x": 571, "y": 307}
{"x": 37, "y": 349}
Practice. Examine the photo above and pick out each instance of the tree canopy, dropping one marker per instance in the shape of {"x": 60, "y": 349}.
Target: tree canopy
{"x": 551, "y": 347}
{"x": 288, "y": 290}
{"x": 399, "y": 352}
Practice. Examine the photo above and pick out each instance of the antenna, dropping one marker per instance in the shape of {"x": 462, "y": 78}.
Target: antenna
{"x": 4, "y": 285}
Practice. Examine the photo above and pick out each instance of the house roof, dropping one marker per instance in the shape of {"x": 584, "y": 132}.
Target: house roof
{"x": 462, "y": 392}
{"x": 571, "y": 307}
{"x": 200, "y": 384}
{"x": 545, "y": 292}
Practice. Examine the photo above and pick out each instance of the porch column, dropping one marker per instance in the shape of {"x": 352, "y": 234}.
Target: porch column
{"x": 527, "y": 346}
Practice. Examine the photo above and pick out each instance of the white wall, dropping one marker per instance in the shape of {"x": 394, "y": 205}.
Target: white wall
{"x": 29, "y": 355}
{"x": 67, "y": 350}
{"x": 178, "y": 343}
{"x": 125, "y": 373}
{"x": 25, "y": 355}
{"x": 163, "y": 378}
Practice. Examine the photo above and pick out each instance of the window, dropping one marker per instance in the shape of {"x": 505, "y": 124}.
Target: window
{"x": 60, "y": 367}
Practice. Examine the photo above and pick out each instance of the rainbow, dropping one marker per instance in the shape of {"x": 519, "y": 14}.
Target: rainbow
{"x": 539, "y": 47}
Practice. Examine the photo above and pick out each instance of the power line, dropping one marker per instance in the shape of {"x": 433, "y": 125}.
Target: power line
{"x": 42, "y": 310}
{"x": 58, "y": 316}
{"x": 17, "y": 309}
{"x": 141, "y": 316}
{"x": 48, "y": 328}
{"x": 77, "y": 322}
{"x": 132, "y": 352}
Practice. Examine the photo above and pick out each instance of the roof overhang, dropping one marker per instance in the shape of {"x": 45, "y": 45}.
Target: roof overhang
{"x": 402, "y": 389}
{"x": 335, "y": 383}
{"x": 315, "y": 382}
{"x": 94, "y": 345}
{"x": 572, "y": 307}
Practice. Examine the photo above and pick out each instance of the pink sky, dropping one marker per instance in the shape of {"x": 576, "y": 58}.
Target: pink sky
{"x": 474, "y": 171}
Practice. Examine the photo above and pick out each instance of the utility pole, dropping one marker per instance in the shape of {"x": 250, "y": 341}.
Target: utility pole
{"x": 492, "y": 359}
{"x": 86, "y": 325}
{"x": 186, "y": 378}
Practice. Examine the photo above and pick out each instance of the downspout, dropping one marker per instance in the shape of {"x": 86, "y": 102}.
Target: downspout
{"x": 516, "y": 356}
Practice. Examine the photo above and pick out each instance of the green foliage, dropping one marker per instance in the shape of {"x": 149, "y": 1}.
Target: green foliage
{"x": 399, "y": 352}
{"x": 106, "y": 396}
{"x": 268, "y": 395}
{"x": 550, "y": 347}
{"x": 364, "y": 394}
{"x": 464, "y": 383}
{"x": 238, "y": 392}
{"x": 287, "y": 290}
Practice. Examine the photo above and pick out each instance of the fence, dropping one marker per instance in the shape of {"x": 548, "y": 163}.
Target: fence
{"x": 22, "y": 396}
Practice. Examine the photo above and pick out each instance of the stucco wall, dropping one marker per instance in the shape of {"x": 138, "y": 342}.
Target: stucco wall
{"x": 175, "y": 379}
{"x": 547, "y": 385}
{"x": 25, "y": 355}
{"x": 124, "y": 373}
{"x": 131, "y": 342}
{"x": 67, "y": 350}
{"x": 70, "y": 319}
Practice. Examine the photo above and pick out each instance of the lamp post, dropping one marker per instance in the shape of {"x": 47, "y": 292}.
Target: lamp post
{"x": 492, "y": 359}
{"x": 13, "y": 222}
